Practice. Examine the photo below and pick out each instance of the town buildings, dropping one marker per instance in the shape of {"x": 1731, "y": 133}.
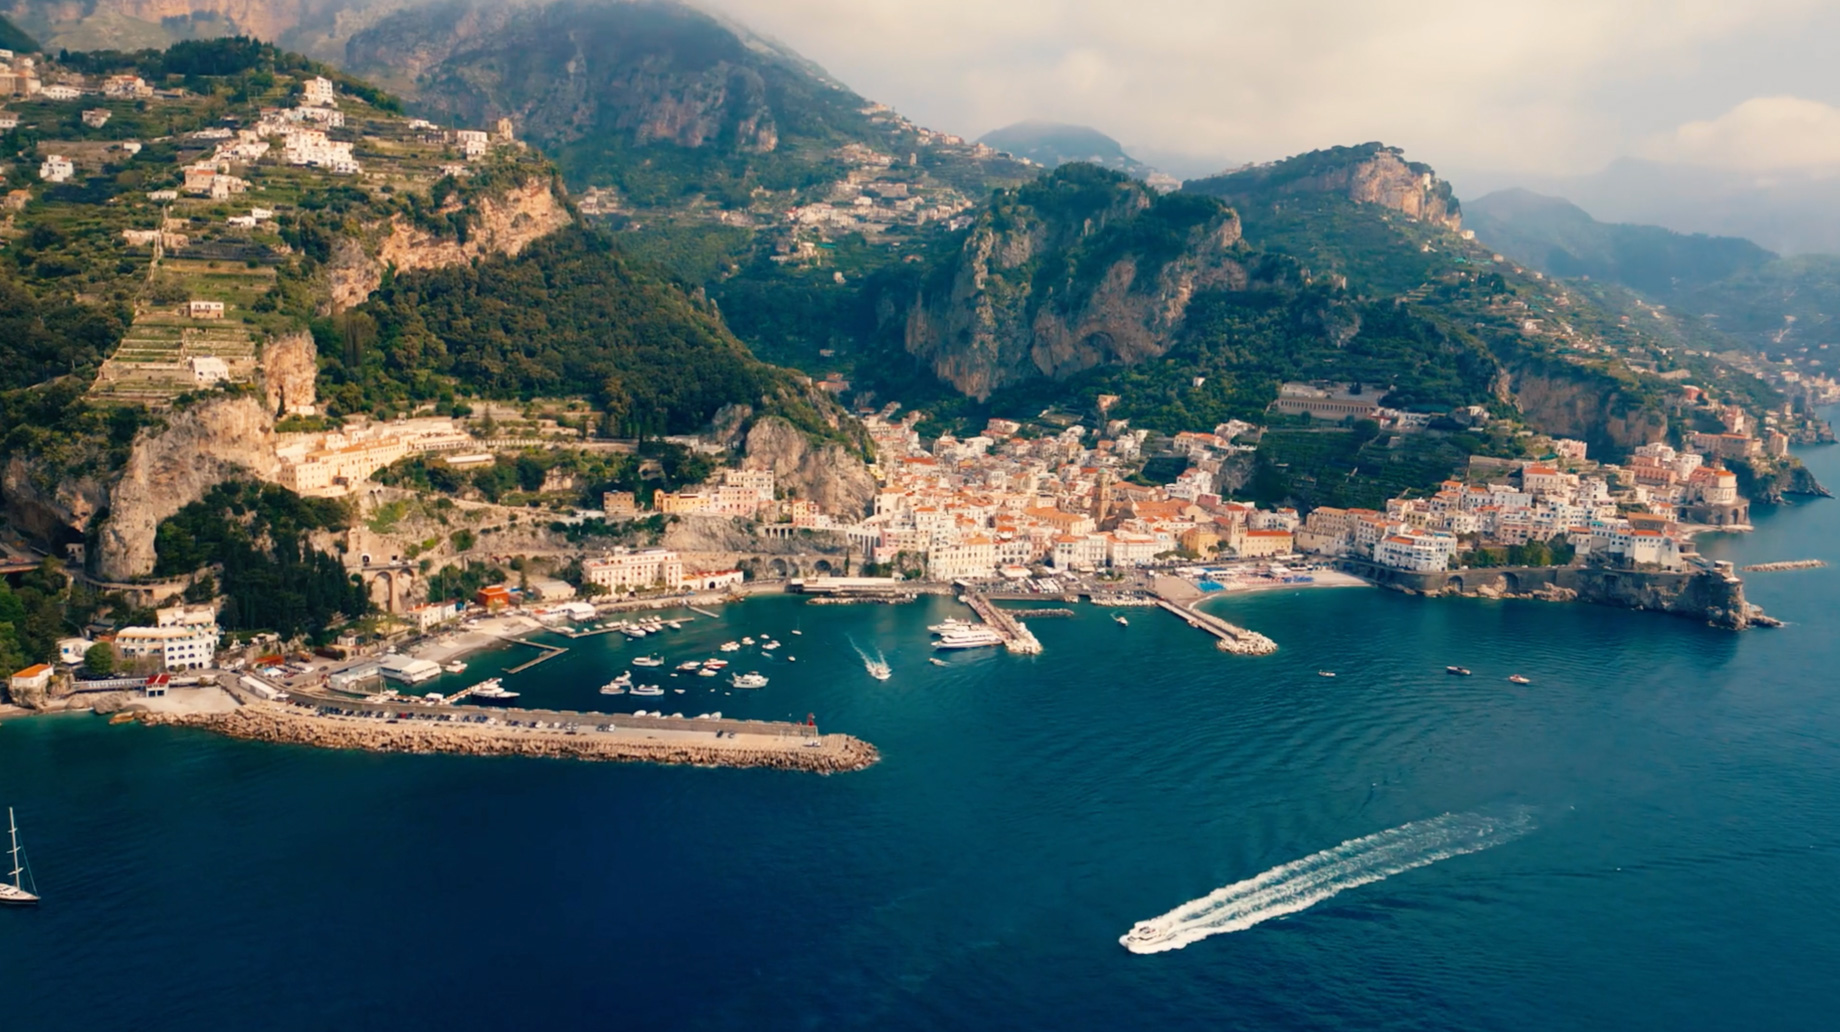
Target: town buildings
{"x": 633, "y": 570}
{"x": 183, "y": 638}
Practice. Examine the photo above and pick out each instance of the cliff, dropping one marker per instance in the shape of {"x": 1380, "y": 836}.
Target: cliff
{"x": 1774, "y": 481}
{"x": 502, "y": 223}
{"x": 1715, "y": 596}
{"x": 173, "y": 467}
{"x": 1568, "y": 400}
{"x": 1082, "y": 268}
{"x": 1370, "y": 173}
{"x": 823, "y": 472}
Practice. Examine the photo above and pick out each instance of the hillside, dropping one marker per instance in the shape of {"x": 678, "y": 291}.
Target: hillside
{"x": 243, "y": 235}
{"x": 1561, "y": 239}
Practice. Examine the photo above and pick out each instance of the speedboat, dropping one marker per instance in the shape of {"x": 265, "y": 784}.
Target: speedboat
{"x": 1120, "y": 620}
{"x": 1325, "y": 673}
{"x": 689, "y": 664}
{"x": 770, "y": 646}
{"x": 645, "y": 689}
{"x": 730, "y": 646}
{"x": 747, "y": 641}
{"x": 936, "y": 661}
{"x": 1457, "y": 671}
{"x": 648, "y": 661}
{"x": 749, "y": 680}
{"x": 708, "y": 671}
{"x": 715, "y": 664}
{"x": 1518, "y": 679}
{"x": 795, "y": 630}
{"x": 1143, "y": 933}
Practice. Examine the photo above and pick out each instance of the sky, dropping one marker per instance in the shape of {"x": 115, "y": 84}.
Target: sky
{"x": 1485, "y": 91}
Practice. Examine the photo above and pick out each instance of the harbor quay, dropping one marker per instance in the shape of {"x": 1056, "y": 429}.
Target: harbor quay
{"x": 325, "y": 722}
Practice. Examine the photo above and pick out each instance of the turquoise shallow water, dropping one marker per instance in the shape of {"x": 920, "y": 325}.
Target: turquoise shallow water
{"x": 1673, "y": 791}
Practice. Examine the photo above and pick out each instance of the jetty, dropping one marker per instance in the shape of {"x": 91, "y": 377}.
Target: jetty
{"x": 1232, "y": 637}
{"x": 549, "y": 652}
{"x": 411, "y": 727}
{"x": 1016, "y": 635}
{"x": 1791, "y": 564}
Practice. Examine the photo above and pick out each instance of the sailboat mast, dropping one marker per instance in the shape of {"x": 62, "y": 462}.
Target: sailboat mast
{"x": 12, "y": 830}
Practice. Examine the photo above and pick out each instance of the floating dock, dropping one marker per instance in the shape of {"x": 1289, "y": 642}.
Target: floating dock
{"x": 549, "y": 652}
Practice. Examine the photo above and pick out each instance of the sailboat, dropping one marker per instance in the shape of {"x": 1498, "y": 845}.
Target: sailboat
{"x": 15, "y": 895}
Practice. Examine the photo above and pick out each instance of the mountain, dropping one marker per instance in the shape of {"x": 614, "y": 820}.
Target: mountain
{"x": 664, "y": 105}
{"x": 15, "y": 39}
{"x": 1787, "y": 212}
{"x": 1053, "y": 144}
{"x": 1741, "y": 294}
{"x": 1561, "y": 239}
{"x": 185, "y": 290}
{"x": 1371, "y": 173}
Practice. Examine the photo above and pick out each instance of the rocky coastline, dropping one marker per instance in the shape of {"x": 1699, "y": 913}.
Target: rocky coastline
{"x": 832, "y": 754}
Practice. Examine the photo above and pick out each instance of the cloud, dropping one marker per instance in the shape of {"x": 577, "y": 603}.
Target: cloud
{"x": 1762, "y": 134}
{"x": 1541, "y": 85}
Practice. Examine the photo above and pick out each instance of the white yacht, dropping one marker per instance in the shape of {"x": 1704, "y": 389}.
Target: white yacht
{"x": 618, "y": 685}
{"x": 648, "y": 661}
{"x": 749, "y": 680}
{"x": 15, "y": 895}
{"x": 952, "y": 625}
{"x": 456, "y": 667}
{"x": 645, "y": 689}
{"x": 969, "y": 638}
{"x": 491, "y": 693}
{"x": 689, "y": 664}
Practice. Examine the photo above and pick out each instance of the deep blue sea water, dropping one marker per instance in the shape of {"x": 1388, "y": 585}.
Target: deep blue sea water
{"x": 1674, "y": 789}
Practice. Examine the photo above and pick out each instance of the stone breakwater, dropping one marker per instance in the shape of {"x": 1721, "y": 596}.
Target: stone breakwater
{"x": 831, "y": 754}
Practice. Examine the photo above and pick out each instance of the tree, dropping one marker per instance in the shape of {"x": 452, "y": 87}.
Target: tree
{"x": 99, "y": 659}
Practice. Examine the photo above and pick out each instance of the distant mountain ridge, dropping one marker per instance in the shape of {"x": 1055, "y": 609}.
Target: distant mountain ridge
{"x": 1053, "y": 144}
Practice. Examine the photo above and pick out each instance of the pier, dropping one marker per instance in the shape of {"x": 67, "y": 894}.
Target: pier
{"x": 1792, "y": 564}
{"x": 549, "y": 652}
{"x": 1016, "y": 637}
{"x": 1233, "y": 638}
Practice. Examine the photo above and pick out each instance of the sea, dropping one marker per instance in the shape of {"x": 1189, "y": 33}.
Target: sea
{"x": 1646, "y": 836}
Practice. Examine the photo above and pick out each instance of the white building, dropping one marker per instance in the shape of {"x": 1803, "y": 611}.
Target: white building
{"x": 433, "y": 614}
{"x": 208, "y": 370}
{"x": 1417, "y": 551}
{"x": 186, "y": 638}
{"x": 975, "y": 558}
{"x": 650, "y": 567}
{"x": 319, "y": 92}
{"x": 72, "y": 650}
{"x": 56, "y": 168}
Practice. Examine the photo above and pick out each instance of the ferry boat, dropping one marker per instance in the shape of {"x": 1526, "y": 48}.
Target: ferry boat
{"x": 645, "y": 689}
{"x": 1457, "y": 671}
{"x": 15, "y": 895}
{"x": 689, "y": 664}
{"x": 1518, "y": 679}
{"x": 970, "y": 638}
{"x": 749, "y": 680}
{"x": 648, "y": 661}
{"x": 491, "y": 693}
{"x": 618, "y": 685}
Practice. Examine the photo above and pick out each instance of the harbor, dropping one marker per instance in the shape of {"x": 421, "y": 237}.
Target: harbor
{"x": 1015, "y": 634}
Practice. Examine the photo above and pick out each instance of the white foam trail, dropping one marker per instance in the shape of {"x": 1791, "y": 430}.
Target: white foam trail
{"x": 1302, "y": 884}
{"x": 871, "y": 665}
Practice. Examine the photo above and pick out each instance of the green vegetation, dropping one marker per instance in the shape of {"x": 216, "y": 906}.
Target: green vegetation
{"x": 32, "y": 618}
{"x": 568, "y": 315}
{"x": 99, "y": 659}
{"x": 1557, "y": 552}
{"x": 273, "y": 579}
{"x": 13, "y": 38}
{"x": 1356, "y": 469}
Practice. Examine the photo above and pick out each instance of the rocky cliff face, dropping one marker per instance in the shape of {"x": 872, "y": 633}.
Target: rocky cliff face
{"x": 1575, "y": 402}
{"x": 825, "y": 473}
{"x": 1085, "y": 268}
{"x": 502, "y": 224}
{"x": 289, "y": 370}
{"x": 1369, "y": 174}
{"x": 199, "y": 447}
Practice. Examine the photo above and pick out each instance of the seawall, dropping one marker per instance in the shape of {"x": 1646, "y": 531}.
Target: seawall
{"x": 1715, "y": 596}
{"x": 630, "y": 742}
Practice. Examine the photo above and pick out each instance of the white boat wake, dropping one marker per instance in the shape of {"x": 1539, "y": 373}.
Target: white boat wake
{"x": 1301, "y": 884}
{"x": 877, "y": 667}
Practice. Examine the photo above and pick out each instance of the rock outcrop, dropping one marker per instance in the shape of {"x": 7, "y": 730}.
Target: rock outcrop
{"x": 1574, "y": 401}
{"x": 200, "y": 446}
{"x": 826, "y": 473}
{"x": 1370, "y": 173}
{"x": 1084, "y": 268}
{"x": 1715, "y": 596}
{"x": 503, "y": 223}
{"x": 290, "y": 368}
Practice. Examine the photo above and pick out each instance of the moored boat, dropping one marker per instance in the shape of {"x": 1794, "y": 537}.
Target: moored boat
{"x": 749, "y": 680}
{"x": 15, "y": 895}
{"x": 1518, "y": 679}
{"x": 1457, "y": 671}
{"x": 490, "y": 693}
{"x": 648, "y": 661}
